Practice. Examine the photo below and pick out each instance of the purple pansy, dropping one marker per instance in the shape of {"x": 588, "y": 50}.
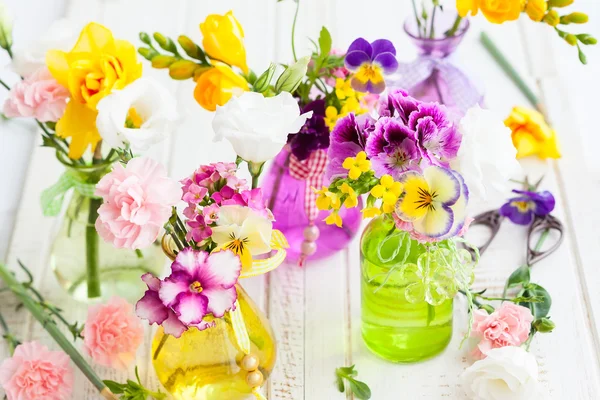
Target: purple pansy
{"x": 314, "y": 135}
{"x": 369, "y": 62}
{"x": 392, "y": 148}
{"x": 521, "y": 210}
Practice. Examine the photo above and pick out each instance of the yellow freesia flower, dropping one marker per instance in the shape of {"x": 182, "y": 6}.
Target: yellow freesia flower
{"x": 536, "y": 9}
{"x": 97, "y": 65}
{"x": 334, "y": 219}
{"x": 352, "y": 199}
{"x": 370, "y": 212}
{"x": 343, "y": 89}
{"x": 331, "y": 116}
{"x": 531, "y": 135}
{"x": 326, "y": 199}
{"x": 495, "y": 11}
{"x": 357, "y": 165}
{"x": 389, "y": 191}
{"x": 223, "y": 40}
{"x": 217, "y": 85}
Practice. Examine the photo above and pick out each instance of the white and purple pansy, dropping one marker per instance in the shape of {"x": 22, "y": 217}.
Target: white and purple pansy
{"x": 522, "y": 209}
{"x": 369, "y": 62}
{"x": 200, "y": 285}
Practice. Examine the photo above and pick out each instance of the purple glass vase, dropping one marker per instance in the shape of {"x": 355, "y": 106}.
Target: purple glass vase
{"x": 433, "y": 76}
{"x": 286, "y": 197}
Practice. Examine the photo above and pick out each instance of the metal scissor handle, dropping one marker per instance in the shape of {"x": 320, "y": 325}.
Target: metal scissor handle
{"x": 492, "y": 219}
{"x": 540, "y": 224}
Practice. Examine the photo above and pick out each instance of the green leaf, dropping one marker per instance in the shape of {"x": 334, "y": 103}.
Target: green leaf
{"x": 115, "y": 387}
{"x": 541, "y": 308}
{"x": 360, "y": 389}
{"x": 520, "y": 276}
{"x": 324, "y": 41}
{"x": 264, "y": 80}
{"x": 290, "y": 78}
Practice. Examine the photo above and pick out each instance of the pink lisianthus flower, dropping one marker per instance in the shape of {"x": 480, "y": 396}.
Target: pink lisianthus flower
{"x": 112, "y": 333}
{"x": 200, "y": 284}
{"x": 39, "y": 96}
{"x": 509, "y": 325}
{"x": 34, "y": 372}
{"x": 137, "y": 203}
{"x": 200, "y": 231}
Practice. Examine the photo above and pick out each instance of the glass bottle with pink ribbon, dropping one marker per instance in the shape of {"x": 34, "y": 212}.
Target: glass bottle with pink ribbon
{"x": 434, "y": 76}
{"x": 290, "y": 186}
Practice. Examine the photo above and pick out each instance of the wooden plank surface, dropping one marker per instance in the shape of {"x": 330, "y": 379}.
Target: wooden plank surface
{"x": 315, "y": 311}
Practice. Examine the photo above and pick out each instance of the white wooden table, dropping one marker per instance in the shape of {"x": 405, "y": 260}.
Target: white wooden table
{"x": 315, "y": 311}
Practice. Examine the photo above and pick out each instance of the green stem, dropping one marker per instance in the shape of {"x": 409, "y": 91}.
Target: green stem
{"x": 8, "y": 336}
{"x": 432, "y": 27}
{"x": 50, "y": 326}
{"x": 255, "y": 170}
{"x": 509, "y": 70}
{"x": 542, "y": 239}
{"x": 163, "y": 340}
{"x": 455, "y": 26}
{"x": 417, "y": 17}
{"x": 294, "y": 30}
{"x": 4, "y": 84}
{"x": 254, "y": 182}
{"x": 91, "y": 251}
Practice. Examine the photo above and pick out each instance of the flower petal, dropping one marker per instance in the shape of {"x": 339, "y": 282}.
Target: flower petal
{"x": 355, "y": 59}
{"x": 381, "y": 46}
{"x": 222, "y": 270}
{"x": 173, "y": 326}
{"x": 443, "y": 182}
{"x": 173, "y": 286}
{"x": 151, "y": 308}
{"x": 189, "y": 261}
{"x": 151, "y": 281}
{"x": 436, "y": 223}
{"x": 220, "y": 300}
{"x": 409, "y": 208}
{"x": 361, "y": 44}
{"x": 388, "y": 62}
{"x": 191, "y": 307}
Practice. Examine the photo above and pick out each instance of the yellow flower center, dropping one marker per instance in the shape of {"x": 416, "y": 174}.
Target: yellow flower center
{"x": 196, "y": 287}
{"x": 133, "y": 120}
{"x": 425, "y": 199}
{"x": 237, "y": 245}
{"x": 369, "y": 72}
{"x": 522, "y": 206}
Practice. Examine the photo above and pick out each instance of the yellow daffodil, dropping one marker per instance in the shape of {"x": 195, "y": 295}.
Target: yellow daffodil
{"x": 370, "y": 212}
{"x": 531, "y": 135}
{"x": 223, "y": 40}
{"x": 536, "y": 9}
{"x": 495, "y": 11}
{"x": 97, "y": 65}
{"x": 357, "y": 165}
{"x": 389, "y": 191}
{"x": 334, "y": 219}
{"x": 331, "y": 116}
{"x": 326, "y": 199}
{"x": 351, "y": 199}
{"x": 217, "y": 85}
{"x": 343, "y": 89}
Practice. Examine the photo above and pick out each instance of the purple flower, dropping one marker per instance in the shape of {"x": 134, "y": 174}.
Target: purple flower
{"x": 521, "y": 210}
{"x": 314, "y": 135}
{"x": 194, "y": 194}
{"x": 347, "y": 140}
{"x": 252, "y": 199}
{"x": 199, "y": 230}
{"x": 369, "y": 62}
{"x": 399, "y": 104}
{"x": 392, "y": 148}
{"x": 226, "y": 193}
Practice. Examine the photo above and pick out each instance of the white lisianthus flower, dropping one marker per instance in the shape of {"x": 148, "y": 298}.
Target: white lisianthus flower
{"x": 486, "y": 158}
{"x": 258, "y": 126}
{"x": 61, "y": 35}
{"x": 142, "y": 114}
{"x": 507, "y": 373}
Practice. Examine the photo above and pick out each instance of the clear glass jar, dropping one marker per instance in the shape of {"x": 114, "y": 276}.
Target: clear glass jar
{"x": 394, "y": 328}
{"x": 206, "y": 365}
{"x": 89, "y": 268}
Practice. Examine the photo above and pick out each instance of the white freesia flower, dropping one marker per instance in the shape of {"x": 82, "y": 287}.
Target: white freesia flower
{"x": 142, "y": 114}
{"x": 507, "y": 373}
{"x": 61, "y": 35}
{"x": 258, "y": 126}
{"x": 486, "y": 158}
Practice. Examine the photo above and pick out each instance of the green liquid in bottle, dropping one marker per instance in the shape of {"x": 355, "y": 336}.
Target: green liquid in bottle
{"x": 392, "y": 327}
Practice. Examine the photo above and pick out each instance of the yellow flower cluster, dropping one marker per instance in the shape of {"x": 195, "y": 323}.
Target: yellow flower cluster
{"x": 350, "y": 101}
{"x": 531, "y": 135}
{"x": 388, "y": 191}
{"x": 357, "y": 165}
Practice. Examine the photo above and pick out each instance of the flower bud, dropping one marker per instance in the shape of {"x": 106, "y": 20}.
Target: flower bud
{"x": 586, "y": 39}
{"x": 6, "y": 26}
{"x": 182, "y": 69}
{"x": 544, "y": 325}
{"x": 199, "y": 71}
{"x": 165, "y": 43}
{"x": 552, "y": 18}
{"x": 147, "y": 53}
{"x": 574, "y": 18}
{"x": 144, "y": 37}
{"x": 536, "y": 9}
{"x": 191, "y": 48}
{"x": 571, "y": 39}
{"x": 161, "y": 61}
{"x": 560, "y": 3}
{"x": 292, "y": 76}
{"x": 487, "y": 308}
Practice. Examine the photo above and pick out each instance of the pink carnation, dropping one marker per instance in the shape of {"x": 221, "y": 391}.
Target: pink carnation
{"x": 137, "y": 203}
{"x": 113, "y": 333}
{"x": 34, "y": 372}
{"x": 509, "y": 325}
{"x": 39, "y": 96}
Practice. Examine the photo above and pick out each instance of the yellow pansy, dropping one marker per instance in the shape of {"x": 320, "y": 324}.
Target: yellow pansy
{"x": 389, "y": 191}
{"x": 351, "y": 199}
{"x": 371, "y": 212}
{"x": 531, "y": 135}
{"x": 334, "y": 219}
{"x": 223, "y": 40}
{"x": 326, "y": 199}
{"x": 97, "y": 65}
{"x": 536, "y": 9}
{"x": 331, "y": 116}
{"x": 357, "y": 165}
{"x": 217, "y": 85}
{"x": 495, "y": 11}
{"x": 343, "y": 89}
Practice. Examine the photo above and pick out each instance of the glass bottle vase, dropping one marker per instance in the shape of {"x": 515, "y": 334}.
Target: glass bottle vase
{"x": 207, "y": 364}
{"x": 85, "y": 265}
{"x": 287, "y": 201}
{"x": 393, "y": 327}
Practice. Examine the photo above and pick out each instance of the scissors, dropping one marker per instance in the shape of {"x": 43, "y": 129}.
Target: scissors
{"x": 493, "y": 220}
